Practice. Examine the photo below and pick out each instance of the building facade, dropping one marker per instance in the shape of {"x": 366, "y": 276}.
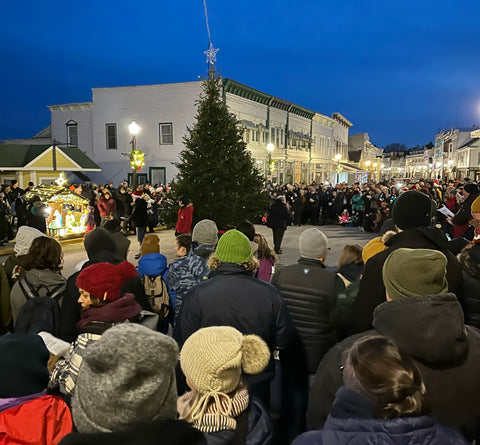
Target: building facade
{"x": 304, "y": 142}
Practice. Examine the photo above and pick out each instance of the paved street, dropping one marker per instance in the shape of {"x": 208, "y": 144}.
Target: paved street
{"x": 338, "y": 236}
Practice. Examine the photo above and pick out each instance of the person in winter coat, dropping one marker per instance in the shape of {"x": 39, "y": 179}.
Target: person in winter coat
{"x": 127, "y": 378}
{"x": 42, "y": 273}
{"x": 425, "y": 320}
{"x": 153, "y": 264}
{"x": 218, "y": 404}
{"x": 413, "y": 214}
{"x": 232, "y": 296}
{"x": 309, "y": 290}
{"x": 103, "y": 306}
{"x": 469, "y": 259}
{"x": 15, "y": 263}
{"x": 383, "y": 401}
{"x": 106, "y": 207}
{"x": 266, "y": 257}
{"x": 139, "y": 217}
{"x": 278, "y": 219}
{"x": 100, "y": 248}
{"x": 464, "y": 215}
{"x": 204, "y": 238}
{"x": 185, "y": 216}
{"x": 185, "y": 272}
{"x": 28, "y": 415}
{"x": 36, "y": 214}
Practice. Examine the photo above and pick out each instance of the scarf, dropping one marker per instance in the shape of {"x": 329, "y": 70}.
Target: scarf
{"x": 117, "y": 311}
{"x": 212, "y": 412}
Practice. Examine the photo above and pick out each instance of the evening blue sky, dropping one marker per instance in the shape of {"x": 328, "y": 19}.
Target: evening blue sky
{"x": 398, "y": 70}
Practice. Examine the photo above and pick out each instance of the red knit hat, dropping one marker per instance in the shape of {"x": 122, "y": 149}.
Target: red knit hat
{"x": 105, "y": 280}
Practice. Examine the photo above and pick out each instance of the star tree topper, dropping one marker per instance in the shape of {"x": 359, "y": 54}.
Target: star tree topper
{"x": 211, "y": 54}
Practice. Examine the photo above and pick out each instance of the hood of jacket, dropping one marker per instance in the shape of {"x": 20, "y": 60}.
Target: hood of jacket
{"x": 152, "y": 264}
{"x": 469, "y": 264}
{"x": 44, "y": 278}
{"x": 430, "y": 328}
{"x": 419, "y": 237}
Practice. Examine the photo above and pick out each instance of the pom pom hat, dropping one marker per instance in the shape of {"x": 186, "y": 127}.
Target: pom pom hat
{"x": 105, "y": 280}
{"x": 213, "y": 358}
{"x": 234, "y": 247}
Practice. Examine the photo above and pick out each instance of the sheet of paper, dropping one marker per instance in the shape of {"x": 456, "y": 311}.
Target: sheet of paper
{"x": 445, "y": 212}
{"x": 55, "y": 345}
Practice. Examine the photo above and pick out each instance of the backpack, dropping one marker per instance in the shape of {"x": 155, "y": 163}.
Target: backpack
{"x": 157, "y": 296}
{"x": 39, "y": 313}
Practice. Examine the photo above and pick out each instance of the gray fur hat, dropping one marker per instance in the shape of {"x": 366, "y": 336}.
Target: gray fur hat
{"x": 127, "y": 377}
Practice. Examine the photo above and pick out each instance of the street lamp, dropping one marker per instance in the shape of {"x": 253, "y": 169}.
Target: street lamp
{"x": 338, "y": 156}
{"x": 270, "y": 148}
{"x": 133, "y": 128}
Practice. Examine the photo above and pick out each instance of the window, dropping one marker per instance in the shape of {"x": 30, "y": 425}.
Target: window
{"x": 166, "y": 133}
{"x": 72, "y": 134}
{"x": 111, "y": 134}
{"x": 247, "y": 136}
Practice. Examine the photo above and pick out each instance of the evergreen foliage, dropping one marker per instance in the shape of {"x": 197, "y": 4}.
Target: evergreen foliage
{"x": 215, "y": 170}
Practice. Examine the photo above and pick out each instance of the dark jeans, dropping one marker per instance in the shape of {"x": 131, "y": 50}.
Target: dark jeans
{"x": 277, "y": 238}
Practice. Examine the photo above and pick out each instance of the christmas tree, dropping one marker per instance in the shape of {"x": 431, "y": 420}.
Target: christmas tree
{"x": 215, "y": 170}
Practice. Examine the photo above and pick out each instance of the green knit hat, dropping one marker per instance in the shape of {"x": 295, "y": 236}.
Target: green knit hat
{"x": 234, "y": 247}
{"x": 415, "y": 272}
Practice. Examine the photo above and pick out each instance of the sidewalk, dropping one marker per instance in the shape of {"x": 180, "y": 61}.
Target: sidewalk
{"x": 7, "y": 249}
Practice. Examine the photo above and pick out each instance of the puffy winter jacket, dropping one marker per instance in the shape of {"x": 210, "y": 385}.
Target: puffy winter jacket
{"x": 42, "y": 421}
{"x": 310, "y": 291}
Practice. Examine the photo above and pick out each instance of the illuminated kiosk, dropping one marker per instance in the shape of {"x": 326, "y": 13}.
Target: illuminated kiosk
{"x": 67, "y": 216}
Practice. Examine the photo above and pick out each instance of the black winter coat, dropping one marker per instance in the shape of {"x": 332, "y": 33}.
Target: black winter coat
{"x": 278, "y": 216}
{"x": 446, "y": 351}
{"x": 139, "y": 213}
{"x": 233, "y": 297}
{"x": 372, "y": 291}
{"x": 310, "y": 292}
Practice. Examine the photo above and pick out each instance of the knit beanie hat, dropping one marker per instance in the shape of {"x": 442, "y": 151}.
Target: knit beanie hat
{"x": 150, "y": 244}
{"x": 312, "y": 243}
{"x": 213, "y": 358}
{"x": 373, "y": 247}
{"x": 471, "y": 187}
{"x": 413, "y": 209}
{"x": 105, "y": 280}
{"x": 415, "y": 272}
{"x": 205, "y": 233}
{"x": 99, "y": 240}
{"x": 476, "y": 205}
{"x": 24, "y": 239}
{"x": 234, "y": 247}
{"x": 127, "y": 377}
{"x": 23, "y": 365}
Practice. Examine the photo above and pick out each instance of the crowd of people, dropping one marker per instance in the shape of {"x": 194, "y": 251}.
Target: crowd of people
{"x": 223, "y": 346}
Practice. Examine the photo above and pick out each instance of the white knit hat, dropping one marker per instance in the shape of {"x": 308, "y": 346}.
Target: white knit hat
{"x": 24, "y": 239}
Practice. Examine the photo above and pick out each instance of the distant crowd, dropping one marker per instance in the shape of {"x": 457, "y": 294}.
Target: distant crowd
{"x": 224, "y": 345}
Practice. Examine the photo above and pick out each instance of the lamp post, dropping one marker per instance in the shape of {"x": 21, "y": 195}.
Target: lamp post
{"x": 270, "y": 148}
{"x": 133, "y": 128}
{"x": 338, "y": 156}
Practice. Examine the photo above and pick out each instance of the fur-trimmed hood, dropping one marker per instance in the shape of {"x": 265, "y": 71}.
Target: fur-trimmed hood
{"x": 468, "y": 263}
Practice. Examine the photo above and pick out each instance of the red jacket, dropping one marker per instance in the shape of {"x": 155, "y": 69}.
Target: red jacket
{"x": 184, "y": 221}
{"x": 42, "y": 421}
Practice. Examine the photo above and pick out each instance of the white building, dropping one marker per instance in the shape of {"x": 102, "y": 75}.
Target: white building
{"x": 305, "y": 142}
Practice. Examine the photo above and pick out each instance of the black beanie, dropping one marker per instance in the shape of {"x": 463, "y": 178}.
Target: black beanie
{"x": 97, "y": 240}
{"x": 413, "y": 209}
{"x": 23, "y": 365}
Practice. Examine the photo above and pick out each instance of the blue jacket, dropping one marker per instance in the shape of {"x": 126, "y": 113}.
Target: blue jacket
{"x": 350, "y": 423}
{"x": 153, "y": 265}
